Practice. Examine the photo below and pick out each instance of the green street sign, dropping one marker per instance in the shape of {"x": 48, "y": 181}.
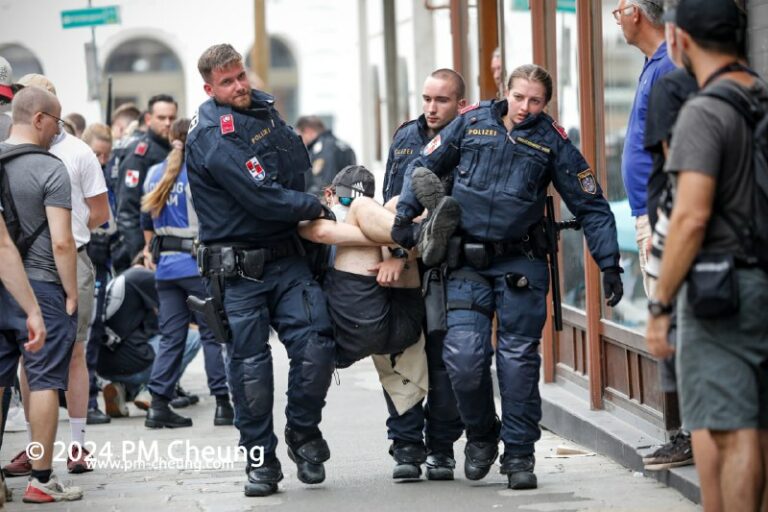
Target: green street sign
{"x": 90, "y": 17}
{"x": 562, "y": 5}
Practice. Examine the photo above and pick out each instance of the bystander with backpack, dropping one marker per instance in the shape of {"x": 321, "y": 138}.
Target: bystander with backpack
{"x": 37, "y": 204}
{"x": 715, "y": 255}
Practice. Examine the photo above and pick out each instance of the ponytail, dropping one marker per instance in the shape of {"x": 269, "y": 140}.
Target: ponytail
{"x": 154, "y": 201}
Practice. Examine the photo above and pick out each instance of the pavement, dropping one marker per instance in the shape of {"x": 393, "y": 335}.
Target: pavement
{"x": 199, "y": 468}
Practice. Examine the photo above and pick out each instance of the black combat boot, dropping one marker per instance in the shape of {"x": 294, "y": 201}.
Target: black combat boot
{"x": 440, "y": 466}
{"x": 408, "y": 457}
{"x": 183, "y": 398}
{"x": 308, "y": 451}
{"x": 262, "y": 481}
{"x": 225, "y": 415}
{"x": 160, "y": 415}
{"x": 481, "y": 452}
{"x": 519, "y": 471}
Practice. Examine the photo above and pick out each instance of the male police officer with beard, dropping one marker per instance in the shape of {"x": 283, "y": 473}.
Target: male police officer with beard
{"x": 246, "y": 170}
{"x": 503, "y": 155}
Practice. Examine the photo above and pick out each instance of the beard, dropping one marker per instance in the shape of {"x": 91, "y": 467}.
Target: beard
{"x": 687, "y": 63}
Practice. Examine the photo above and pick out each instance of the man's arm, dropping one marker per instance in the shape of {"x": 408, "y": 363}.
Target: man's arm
{"x": 64, "y": 252}
{"x": 98, "y": 206}
{"x": 15, "y": 281}
{"x": 328, "y": 232}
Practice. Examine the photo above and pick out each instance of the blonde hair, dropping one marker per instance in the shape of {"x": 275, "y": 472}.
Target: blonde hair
{"x": 533, "y": 73}
{"x": 97, "y": 131}
{"x": 155, "y": 200}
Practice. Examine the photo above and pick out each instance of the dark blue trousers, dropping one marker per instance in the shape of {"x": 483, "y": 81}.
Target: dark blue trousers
{"x": 174, "y": 317}
{"x": 288, "y": 299}
{"x": 467, "y": 350}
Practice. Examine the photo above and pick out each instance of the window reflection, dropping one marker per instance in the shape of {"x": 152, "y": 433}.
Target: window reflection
{"x": 622, "y": 65}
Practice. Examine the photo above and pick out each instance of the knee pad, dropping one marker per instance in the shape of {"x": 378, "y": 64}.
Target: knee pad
{"x": 464, "y": 354}
{"x": 252, "y": 384}
{"x": 317, "y": 365}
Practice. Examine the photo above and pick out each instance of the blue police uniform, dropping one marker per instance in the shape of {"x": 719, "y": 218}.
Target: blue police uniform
{"x": 246, "y": 170}
{"x": 176, "y": 278}
{"x": 500, "y": 182}
{"x": 443, "y": 424}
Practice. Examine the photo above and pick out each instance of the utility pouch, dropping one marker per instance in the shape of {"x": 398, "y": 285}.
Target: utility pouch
{"x": 454, "y": 257}
{"x": 202, "y": 260}
{"x": 435, "y": 302}
{"x": 228, "y": 262}
{"x": 477, "y": 255}
{"x": 713, "y": 286}
{"x": 154, "y": 248}
{"x": 252, "y": 263}
{"x": 214, "y": 317}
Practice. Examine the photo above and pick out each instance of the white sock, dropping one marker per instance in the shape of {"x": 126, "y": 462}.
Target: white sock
{"x": 29, "y": 432}
{"x": 77, "y": 427}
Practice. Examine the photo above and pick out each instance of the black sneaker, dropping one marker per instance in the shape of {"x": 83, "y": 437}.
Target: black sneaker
{"x": 677, "y": 452}
{"x": 440, "y": 466}
{"x": 427, "y": 188}
{"x": 437, "y": 229}
{"x": 519, "y": 471}
{"x": 409, "y": 457}
{"x": 97, "y": 417}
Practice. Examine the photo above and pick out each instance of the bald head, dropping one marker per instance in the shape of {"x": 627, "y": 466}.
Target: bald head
{"x": 31, "y": 100}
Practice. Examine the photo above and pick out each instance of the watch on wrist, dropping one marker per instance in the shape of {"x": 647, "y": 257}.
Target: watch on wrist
{"x": 657, "y": 308}
{"x": 398, "y": 252}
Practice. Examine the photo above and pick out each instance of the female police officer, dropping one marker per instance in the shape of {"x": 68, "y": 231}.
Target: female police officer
{"x": 168, "y": 200}
{"x": 503, "y": 155}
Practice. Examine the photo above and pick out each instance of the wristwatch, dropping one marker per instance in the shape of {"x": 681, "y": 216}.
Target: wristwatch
{"x": 657, "y": 308}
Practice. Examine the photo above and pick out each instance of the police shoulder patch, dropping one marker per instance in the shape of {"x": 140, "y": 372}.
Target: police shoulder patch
{"x": 560, "y": 130}
{"x": 141, "y": 148}
{"x": 469, "y": 108}
{"x": 132, "y": 178}
{"x": 255, "y": 169}
{"x": 227, "y": 124}
{"x": 317, "y": 166}
{"x": 587, "y": 181}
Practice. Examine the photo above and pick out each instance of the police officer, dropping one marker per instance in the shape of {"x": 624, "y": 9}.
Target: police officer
{"x": 169, "y": 215}
{"x": 246, "y": 170}
{"x": 146, "y": 151}
{"x": 442, "y": 98}
{"x": 328, "y": 154}
{"x": 503, "y": 155}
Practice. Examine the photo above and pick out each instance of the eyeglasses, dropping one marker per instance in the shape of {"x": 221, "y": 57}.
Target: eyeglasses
{"x": 617, "y": 13}
{"x": 59, "y": 122}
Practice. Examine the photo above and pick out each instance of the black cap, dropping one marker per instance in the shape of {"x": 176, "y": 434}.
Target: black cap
{"x": 712, "y": 20}
{"x": 354, "y": 181}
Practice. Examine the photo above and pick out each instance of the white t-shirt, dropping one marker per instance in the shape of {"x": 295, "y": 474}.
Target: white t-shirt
{"x": 86, "y": 177}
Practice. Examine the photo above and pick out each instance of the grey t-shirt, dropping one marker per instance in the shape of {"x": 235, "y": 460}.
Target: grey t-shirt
{"x": 38, "y": 181}
{"x": 5, "y": 126}
{"x": 711, "y": 137}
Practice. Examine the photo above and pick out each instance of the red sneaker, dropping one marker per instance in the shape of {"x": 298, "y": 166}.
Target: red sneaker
{"x": 38, "y": 492}
{"x": 20, "y": 465}
{"x": 78, "y": 461}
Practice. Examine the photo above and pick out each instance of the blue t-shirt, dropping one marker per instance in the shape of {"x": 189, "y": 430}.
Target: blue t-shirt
{"x": 636, "y": 162}
{"x": 177, "y": 218}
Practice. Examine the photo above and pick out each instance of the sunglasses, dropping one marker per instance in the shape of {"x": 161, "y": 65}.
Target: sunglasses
{"x": 346, "y": 201}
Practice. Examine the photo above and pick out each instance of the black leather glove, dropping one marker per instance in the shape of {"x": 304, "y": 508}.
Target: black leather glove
{"x": 327, "y": 213}
{"x": 403, "y": 233}
{"x": 612, "y": 286}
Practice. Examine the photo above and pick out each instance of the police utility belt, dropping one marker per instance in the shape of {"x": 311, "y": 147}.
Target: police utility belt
{"x": 234, "y": 260}
{"x": 167, "y": 243}
{"x": 480, "y": 255}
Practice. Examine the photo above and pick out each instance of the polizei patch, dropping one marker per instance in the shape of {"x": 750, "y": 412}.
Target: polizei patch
{"x": 255, "y": 169}
{"x": 587, "y": 181}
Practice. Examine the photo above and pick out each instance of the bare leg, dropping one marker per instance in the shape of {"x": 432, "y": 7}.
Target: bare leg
{"x": 24, "y": 388}
{"x": 741, "y": 468}
{"x": 708, "y": 466}
{"x": 77, "y": 394}
{"x": 764, "y": 451}
{"x": 43, "y": 420}
{"x": 374, "y": 220}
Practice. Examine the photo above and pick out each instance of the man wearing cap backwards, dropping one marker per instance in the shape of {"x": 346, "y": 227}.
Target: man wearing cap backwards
{"x": 6, "y": 95}
{"x": 722, "y": 356}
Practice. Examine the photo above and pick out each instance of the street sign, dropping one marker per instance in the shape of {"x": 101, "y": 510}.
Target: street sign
{"x": 90, "y": 17}
{"x": 562, "y": 5}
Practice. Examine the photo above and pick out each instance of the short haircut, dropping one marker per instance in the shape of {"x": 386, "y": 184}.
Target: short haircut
{"x": 311, "y": 122}
{"x": 496, "y": 53}
{"x": 458, "y": 81}
{"x": 160, "y": 98}
{"x": 128, "y": 111}
{"x": 97, "y": 131}
{"x": 31, "y": 100}
{"x": 218, "y": 56}
{"x": 38, "y": 80}
{"x": 533, "y": 73}
{"x": 653, "y": 10}
{"x": 77, "y": 120}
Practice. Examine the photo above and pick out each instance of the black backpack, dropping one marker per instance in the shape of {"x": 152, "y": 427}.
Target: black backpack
{"x": 10, "y": 214}
{"x": 756, "y": 115}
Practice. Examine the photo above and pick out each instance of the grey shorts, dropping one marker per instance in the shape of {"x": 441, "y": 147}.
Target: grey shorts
{"x": 722, "y": 364}
{"x": 85, "y": 285}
